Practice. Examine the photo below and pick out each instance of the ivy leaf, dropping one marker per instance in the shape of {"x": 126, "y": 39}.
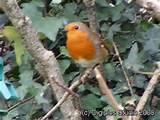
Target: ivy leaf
{"x": 120, "y": 88}
{"x": 110, "y": 71}
{"x": 56, "y": 1}
{"x": 11, "y": 114}
{"x": 13, "y": 36}
{"x": 130, "y": 14}
{"x": 113, "y": 29}
{"x": 133, "y": 61}
{"x": 40, "y": 99}
{"x": 49, "y": 26}
{"x": 69, "y": 76}
{"x": 153, "y": 39}
{"x": 26, "y": 71}
{"x": 22, "y": 91}
{"x": 102, "y": 3}
{"x": 104, "y": 13}
{"x": 69, "y": 11}
{"x": 26, "y": 76}
{"x": 64, "y": 64}
{"x": 93, "y": 89}
{"x": 124, "y": 42}
{"x": 140, "y": 81}
{"x": 64, "y": 51}
{"x": 39, "y": 95}
{"x": 116, "y": 12}
{"x": 91, "y": 102}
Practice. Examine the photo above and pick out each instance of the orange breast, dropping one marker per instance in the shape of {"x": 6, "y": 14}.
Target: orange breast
{"x": 79, "y": 46}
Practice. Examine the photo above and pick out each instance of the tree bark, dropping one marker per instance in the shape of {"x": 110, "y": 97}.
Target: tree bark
{"x": 45, "y": 59}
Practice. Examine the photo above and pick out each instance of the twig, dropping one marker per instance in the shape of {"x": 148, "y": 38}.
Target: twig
{"x": 20, "y": 103}
{"x": 106, "y": 91}
{"x": 144, "y": 73}
{"x": 66, "y": 89}
{"x": 66, "y": 94}
{"x": 151, "y": 85}
{"x": 123, "y": 69}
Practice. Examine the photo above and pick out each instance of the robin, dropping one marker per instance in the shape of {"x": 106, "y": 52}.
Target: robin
{"x": 84, "y": 46}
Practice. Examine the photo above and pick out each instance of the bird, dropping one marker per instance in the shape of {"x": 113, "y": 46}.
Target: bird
{"x": 85, "y": 46}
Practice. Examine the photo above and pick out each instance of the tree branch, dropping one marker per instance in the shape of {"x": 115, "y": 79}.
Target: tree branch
{"x": 106, "y": 91}
{"x": 74, "y": 85}
{"x": 123, "y": 69}
{"x": 90, "y": 7}
{"x": 20, "y": 103}
{"x": 151, "y": 86}
{"x": 43, "y": 57}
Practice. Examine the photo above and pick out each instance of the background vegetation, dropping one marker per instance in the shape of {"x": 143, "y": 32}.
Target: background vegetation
{"x": 135, "y": 32}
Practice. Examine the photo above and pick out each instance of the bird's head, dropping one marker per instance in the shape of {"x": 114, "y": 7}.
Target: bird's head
{"x": 76, "y": 26}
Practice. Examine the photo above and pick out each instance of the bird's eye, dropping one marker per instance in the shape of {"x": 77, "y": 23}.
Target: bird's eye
{"x": 76, "y": 27}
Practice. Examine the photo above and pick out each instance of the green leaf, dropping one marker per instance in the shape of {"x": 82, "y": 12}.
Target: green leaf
{"x": 40, "y": 99}
{"x": 56, "y": 1}
{"x": 112, "y": 30}
{"x": 133, "y": 61}
{"x": 64, "y": 51}
{"x": 22, "y": 91}
{"x": 116, "y": 12}
{"x": 26, "y": 76}
{"x": 31, "y": 9}
{"x": 91, "y": 102}
{"x": 64, "y": 64}
{"x": 93, "y": 89}
{"x": 120, "y": 88}
{"x": 11, "y": 114}
{"x": 69, "y": 76}
{"x": 13, "y": 36}
{"x": 47, "y": 25}
{"x": 102, "y": 3}
{"x": 124, "y": 42}
{"x": 145, "y": 25}
{"x": 104, "y": 13}
{"x": 153, "y": 39}
{"x": 69, "y": 11}
{"x": 139, "y": 81}
{"x": 39, "y": 96}
{"x": 110, "y": 71}
{"x": 26, "y": 71}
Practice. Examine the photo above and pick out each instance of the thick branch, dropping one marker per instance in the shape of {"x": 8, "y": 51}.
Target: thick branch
{"x": 91, "y": 12}
{"x": 151, "y": 5}
{"x": 44, "y": 58}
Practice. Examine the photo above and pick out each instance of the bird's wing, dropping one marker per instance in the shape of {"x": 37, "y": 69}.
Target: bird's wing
{"x": 99, "y": 42}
